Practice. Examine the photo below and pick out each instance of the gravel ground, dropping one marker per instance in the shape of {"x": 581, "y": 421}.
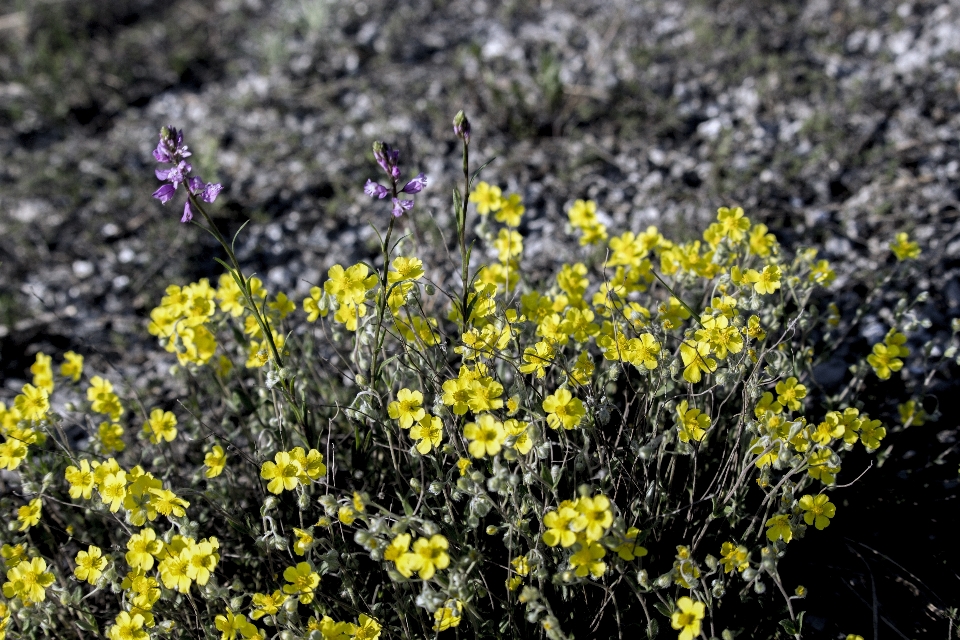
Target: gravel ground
{"x": 833, "y": 121}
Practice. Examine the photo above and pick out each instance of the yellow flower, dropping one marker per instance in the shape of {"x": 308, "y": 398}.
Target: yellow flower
{"x": 426, "y": 556}
{"x": 12, "y": 453}
{"x": 778, "y": 527}
{"x": 732, "y": 223}
{"x": 884, "y": 360}
{"x": 588, "y": 560}
{"x": 114, "y": 490}
{"x": 766, "y": 281}
{"x": 628, "y": 549}
{"x": 691, "y": 423}
{"x": 13, "y": 555}
{"x": 368, "y": 629}
{"x": 72, "y": 366}
{"x": 509, "y": 245}
{"x": 127, "y": 627}
{"x": 90, "y": 564}
{"x": 912, "y": 414}
{"x": 871, "y": 433}
{"x": 904, "y": 249}
{"x": 734, "y": 557}
{"x": 303, "y": 542}
{"x": 111, "y": 437}
{"x": 32, "y": 403}
{"x": 563, "y": 525}
{"x": 42, "y": 372}
{"x": 511, "y": 210}
{"x": 817, "y": 510}
{"x": 330, "y": 629}
{"x": 215, "y": 460}
{"x": 428, "y": 433}
{"x": 448, "y": 616}
{"x": 597, "y": 513}
{"x": 282, "y": 474}
{"x": 563, "y": 410}
{"x": 583, "y": 213}
{"x": 175, "y": 570}
{"x": 312, "y": 305}
{"x": 346, "y": 515}
{"x": 230, "y": 624}
{"x": 405, "y": 269}
{"x": 789, "y": 393}
{"x": 80, "y": 479}
{"x": 820, "y": 466}
{"x": 686, "y": 619}
{"x": 537, "y": 358}
{"x": 761, "y": 242}
{"x": 350, "y": 286}
{"x": 407, "y": 408}
{"x": 486, "y": 436}
{"x": 161, "y": 425}
{"x": 282, "y": 305}
{"x": 303, "y": 580}
{"x": 167, "y": 503}
{"x": 28, "y": 581}
{"x": 695, "y": 357}
{"x": 311, "y": 464}
{"x": 267, "y": 604}
{"x": 142, "y": 548}
{"x": 29, "y": 514}
{"x": 487, "y": 198}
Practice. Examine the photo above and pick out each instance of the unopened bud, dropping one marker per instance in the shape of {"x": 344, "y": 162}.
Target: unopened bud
{"x": 461, "y": 126}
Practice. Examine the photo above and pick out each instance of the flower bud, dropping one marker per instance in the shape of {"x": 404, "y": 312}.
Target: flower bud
{"x": 461, "y": 126}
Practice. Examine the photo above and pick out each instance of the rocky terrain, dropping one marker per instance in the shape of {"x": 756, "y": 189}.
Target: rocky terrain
{"x": 835, "y": 122}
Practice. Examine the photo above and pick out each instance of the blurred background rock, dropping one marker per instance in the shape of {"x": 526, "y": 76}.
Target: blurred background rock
{"x": 834, "y": 122}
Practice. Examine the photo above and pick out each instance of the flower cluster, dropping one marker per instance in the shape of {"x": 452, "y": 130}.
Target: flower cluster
{"x": 171, "y": 150}
{"x": 378, "y": 460}
{"x": 388, "y": 159}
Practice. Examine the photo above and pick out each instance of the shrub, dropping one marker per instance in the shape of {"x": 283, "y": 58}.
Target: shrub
{"x": 414, "y": 448}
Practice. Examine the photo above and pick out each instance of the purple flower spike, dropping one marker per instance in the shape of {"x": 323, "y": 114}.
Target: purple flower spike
{"x": 187, "y": 213}
{"x": 171, "y": 149}
{"x": 375, "y": 190}
{"x": 416, "y": 185}
{"x": 164, "y": 193}
{"x": 399, "y": 206}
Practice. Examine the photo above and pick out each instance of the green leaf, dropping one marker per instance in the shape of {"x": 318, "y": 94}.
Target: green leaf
{"x": 653, "y": 629}
{"x": 476, "y": 173}
{"x": 234, "y": 241}
{"x": 664, "y": 609}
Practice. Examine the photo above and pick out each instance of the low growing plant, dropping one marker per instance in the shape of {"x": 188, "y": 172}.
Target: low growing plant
{"x": 460, "y": 449}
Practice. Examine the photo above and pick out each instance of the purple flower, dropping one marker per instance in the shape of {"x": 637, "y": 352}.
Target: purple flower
{"x": 211, "y": 191}
{"x": 171, "y": 149}
{"x": 165, "y": 193}
{"x": 416, "y": 185}
{"x": 174, "y": 175}
{"x": 206, "y": 192}
{"x": 399, "y": 206}
{"x": 388, "y": 160}
{"x": 375, "y": 190}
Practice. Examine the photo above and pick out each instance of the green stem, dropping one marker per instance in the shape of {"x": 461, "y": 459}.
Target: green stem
{"x": 462, "y": 233}
{"x": 382, "y": 301}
